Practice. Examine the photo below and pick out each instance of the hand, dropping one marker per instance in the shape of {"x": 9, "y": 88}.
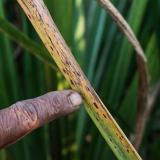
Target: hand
{"x": 23, "y": 117}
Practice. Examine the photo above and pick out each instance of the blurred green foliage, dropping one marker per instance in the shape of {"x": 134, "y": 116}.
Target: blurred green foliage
{"x": 106, "y": 57}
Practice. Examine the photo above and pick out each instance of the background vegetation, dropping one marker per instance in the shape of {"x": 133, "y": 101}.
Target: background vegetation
{"x": 106, "y": 57}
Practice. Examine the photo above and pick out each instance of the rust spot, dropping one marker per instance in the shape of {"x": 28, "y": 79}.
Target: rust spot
{"x": 64, "y": 70}
{"x": 57, "y": 51}
{"x": 51, "y": 48}
{"x": 97, "y": 118}
{"x": 95, "y": 105}
{"x": 87, "y": 88}
{"x": 78, "y": 74}
{"x": 120, "y": 138}
{"x": 29, "y": 16}
{"x": 104, "y": 116}
{"x": 72, "y": 82}
{"x": 50, "y": 38}
{"x": 110, "y": 139}
{"x": 67, "y": 62}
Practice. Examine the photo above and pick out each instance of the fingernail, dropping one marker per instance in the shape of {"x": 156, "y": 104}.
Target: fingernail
{"x": 76, "y": 99}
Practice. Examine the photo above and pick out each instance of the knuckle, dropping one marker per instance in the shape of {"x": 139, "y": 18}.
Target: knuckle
{"x": 25, "y": 114}
{"x": 54, "y": 104}
{"x": 17, "y": 105}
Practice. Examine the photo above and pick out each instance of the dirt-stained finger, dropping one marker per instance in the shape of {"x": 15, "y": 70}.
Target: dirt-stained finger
{"x": 24, "y": 116}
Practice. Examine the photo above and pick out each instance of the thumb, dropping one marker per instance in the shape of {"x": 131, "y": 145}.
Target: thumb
{"x": 25, "y": 116}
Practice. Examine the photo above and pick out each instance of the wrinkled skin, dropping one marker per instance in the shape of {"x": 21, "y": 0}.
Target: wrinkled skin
{"x": 23, "y": 117}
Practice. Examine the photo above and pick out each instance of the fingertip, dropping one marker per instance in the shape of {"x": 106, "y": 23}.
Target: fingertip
{"x": 75, "y": 98}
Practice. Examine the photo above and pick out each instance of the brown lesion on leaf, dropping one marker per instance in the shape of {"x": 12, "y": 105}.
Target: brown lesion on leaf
{"x": 104, "y": 115}
{"x": 87, "y": 88}
{"x": 95, "y": 104}
{"x": 51, "y": 48}
{"x": 64, "y": 70}
{"x": 72, "y": 82}
{"x": 110, "y": 140}
{"x": 97, "y": 118}
{"x": 78, "y": 74}
{"x": 29, "y": 16}
{"x": 67, "y": 62}
{"x": 121, "y": 138}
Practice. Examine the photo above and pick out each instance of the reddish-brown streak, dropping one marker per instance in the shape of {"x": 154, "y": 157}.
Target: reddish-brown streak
{"x": 64, "y": 70}
{"x": 29, "y": 16}
{"x": 97, "y": 118}
{"x": 67, "y": 62}
{"x": 95, "y": 105}
{"x": 104, "y": 116}
{"x": 87, "y": 88}
{"x": 51, "y": 48}
{"x": 72, "y": 82}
